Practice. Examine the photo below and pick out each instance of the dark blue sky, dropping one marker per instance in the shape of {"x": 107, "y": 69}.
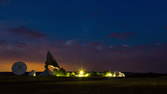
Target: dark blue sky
{"x": 93, "y": 26}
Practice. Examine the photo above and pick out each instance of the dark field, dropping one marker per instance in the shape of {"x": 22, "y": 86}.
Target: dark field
{"x": 52, "y": 85}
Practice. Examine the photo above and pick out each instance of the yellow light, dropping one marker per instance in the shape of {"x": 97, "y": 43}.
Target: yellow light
{"x": 87, "y": 75}
{"x": 67, "y": 74}
{"x": 51, "y": 68}
{"x": 82, "y": 73}
{"x": 60, "y": 75}
{"x": 109, "y": 74}
{"x": 121, "y": 74}
{"x": 34, "y": 75}
{"x": 73, "y": 73}
{"x": 114, "y": 75}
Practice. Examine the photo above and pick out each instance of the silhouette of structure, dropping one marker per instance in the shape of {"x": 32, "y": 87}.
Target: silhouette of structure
{"x": 51, "y": 66}
{"x": 50, "y": 61}
{"x": 19, "y": 68}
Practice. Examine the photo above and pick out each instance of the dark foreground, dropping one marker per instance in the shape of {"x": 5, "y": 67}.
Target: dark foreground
{"x": 44, "y": 85}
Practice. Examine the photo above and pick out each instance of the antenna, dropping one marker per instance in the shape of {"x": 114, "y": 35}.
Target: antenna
{"x": 19, "y": 68}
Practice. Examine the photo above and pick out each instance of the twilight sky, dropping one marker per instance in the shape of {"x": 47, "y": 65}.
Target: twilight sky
{"x": 98, "y": 35}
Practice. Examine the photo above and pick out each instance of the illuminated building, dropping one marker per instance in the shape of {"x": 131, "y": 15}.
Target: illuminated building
{"x": 82, "y": 73}
{"x": 33, "y": 73}
{"x": 114, "y": 74}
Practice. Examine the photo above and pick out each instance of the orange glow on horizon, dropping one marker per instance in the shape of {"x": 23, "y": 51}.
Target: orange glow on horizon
{"x": 6, "y": 66}
{"x": 30, "y": 66}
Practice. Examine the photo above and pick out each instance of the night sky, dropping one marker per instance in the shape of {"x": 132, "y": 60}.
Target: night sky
{"x": 98, "y": 35}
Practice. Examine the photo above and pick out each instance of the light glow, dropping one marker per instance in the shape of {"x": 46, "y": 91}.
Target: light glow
{"x": 114, "y": 74}
{"x": 34, "y": 75}
{"x": 109, "y": 74}
{"x": 82, "y": 73}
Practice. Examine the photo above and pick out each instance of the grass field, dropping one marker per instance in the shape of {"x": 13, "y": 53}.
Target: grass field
{"x": 52, "y": 85}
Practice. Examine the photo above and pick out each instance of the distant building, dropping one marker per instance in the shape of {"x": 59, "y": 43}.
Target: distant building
{"x": 33, "y": 73}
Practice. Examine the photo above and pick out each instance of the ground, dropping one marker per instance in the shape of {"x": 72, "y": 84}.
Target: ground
{"x": 52, "y": 85}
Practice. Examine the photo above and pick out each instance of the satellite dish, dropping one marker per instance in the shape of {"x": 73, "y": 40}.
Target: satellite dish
{"x": 19, "y": 68}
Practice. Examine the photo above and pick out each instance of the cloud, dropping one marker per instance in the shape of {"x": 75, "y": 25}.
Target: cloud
{"x": 70, "y": 42}
{"x": 110, "y": 47}
{"x": 3, "y": 43}
{"x": 122, "y": 35}
{"x": 21, "y": 45}
{"x": 23, "y": 31}
{"x": 125, "y": 45}
{"x": 94, "y": 44}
